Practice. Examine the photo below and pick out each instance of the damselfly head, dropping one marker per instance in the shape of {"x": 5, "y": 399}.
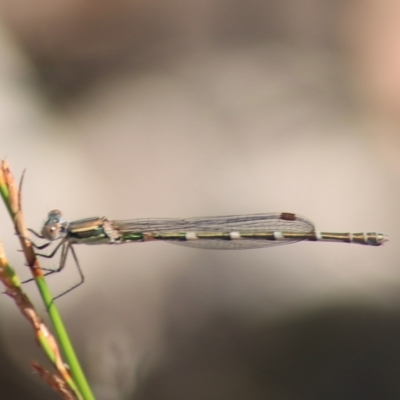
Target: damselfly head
{"x": 54, "y": 227}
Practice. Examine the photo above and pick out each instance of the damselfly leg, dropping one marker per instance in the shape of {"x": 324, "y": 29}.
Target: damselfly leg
{"x": 65, "y": 247}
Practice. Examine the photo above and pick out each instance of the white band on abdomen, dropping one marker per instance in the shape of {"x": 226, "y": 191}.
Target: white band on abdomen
{"x": 191, "y": 236}
{"x": 235, "y": 235}
{"x": 278, "y": 236}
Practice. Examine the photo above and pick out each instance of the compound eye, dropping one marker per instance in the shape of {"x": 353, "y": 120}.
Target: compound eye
{"x": 54, "y": 215}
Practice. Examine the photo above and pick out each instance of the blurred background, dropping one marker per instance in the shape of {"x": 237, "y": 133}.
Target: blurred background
{"x": 193, "y": 108}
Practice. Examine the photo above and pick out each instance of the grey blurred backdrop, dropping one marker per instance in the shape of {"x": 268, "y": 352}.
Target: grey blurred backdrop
{"x": 194, "y": 108}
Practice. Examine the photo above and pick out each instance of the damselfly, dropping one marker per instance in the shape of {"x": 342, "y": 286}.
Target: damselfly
{"x": 228, "y": 232}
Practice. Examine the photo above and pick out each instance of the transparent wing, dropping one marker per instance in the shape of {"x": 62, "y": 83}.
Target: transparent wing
{"x": 219, "y": 244}
{"x": 271, "y": 222}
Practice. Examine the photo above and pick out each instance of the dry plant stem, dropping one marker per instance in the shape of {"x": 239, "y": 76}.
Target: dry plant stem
{"x": 14, "y": 290}
{"x": 54, "y": 382}
{"x": 13, "y": 201}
